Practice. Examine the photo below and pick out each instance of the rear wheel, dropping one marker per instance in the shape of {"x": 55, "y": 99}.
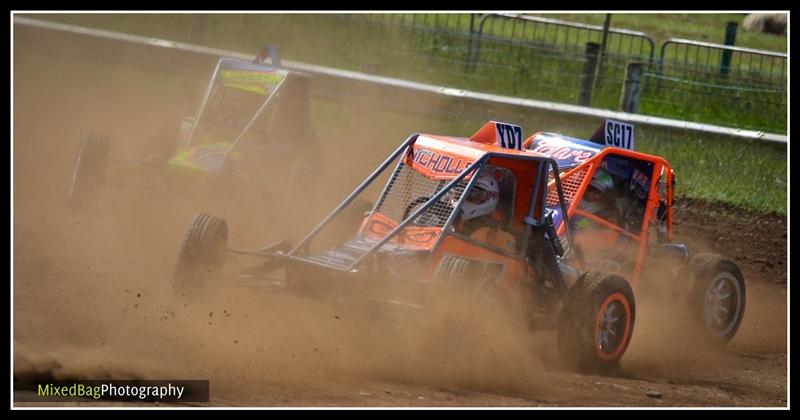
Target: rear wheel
{"x": 596, "y": 322}
{"x": 88, "y": 174}
{"x": 202, "y": 254}
{"x": 457, "y": 292}
{"x": 717, "y": 298}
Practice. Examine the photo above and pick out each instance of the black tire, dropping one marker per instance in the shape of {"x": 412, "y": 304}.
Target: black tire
{"x": 89, "y": 171}
{"x": 584, "y": 341}
{"x": 452, "y": 268}
{"x": 717, "y": 295}
{"x": 455, "y": 294}
{"x": 202, "y": 254}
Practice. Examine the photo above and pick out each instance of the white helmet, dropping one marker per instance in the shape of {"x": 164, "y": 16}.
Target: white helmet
{"x": 482, "y": 198}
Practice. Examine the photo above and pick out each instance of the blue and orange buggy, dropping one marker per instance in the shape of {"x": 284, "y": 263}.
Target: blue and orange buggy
{"x": 564, "y": 267}
{"x": 252, "y": 122}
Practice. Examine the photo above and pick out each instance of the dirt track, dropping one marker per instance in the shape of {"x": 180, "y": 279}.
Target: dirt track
{"x": 91, "y": 296}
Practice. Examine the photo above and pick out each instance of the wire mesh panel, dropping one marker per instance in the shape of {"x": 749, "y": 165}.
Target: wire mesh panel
{"x": 569, "y": 186}
{"x": 408, "y": 190}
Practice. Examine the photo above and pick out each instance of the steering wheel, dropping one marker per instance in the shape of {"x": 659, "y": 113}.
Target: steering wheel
{"x": 429, "y": 218}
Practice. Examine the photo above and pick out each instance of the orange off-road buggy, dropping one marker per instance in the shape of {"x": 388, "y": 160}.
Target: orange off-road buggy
{"x": 576, "y": 273}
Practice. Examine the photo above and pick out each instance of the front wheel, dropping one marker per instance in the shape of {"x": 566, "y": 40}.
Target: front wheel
{"x": 717, "y": 297}
{"x": 202, "y": 254}
{"x": 596, "y": 322}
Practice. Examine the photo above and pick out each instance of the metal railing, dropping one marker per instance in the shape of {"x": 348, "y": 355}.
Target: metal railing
{"x": 538, "y": 33}
{"x": 744, "y": 64}
{"x": 747, "y": 87}
{"x": 182, "y": 57}
{"x": 531, "y": 57}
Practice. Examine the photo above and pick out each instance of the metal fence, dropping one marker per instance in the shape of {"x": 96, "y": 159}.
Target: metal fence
{"x": 507, "y": 54}
{"x": 537, "y": 33}
{"x": 745, "y": 87}
{"x": 527, "y": 57}
{"x": 534, "y": 57}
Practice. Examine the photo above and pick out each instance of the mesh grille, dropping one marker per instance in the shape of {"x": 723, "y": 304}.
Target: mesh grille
{"x": 569, "y": 186}
{"x": 407, "y": 191}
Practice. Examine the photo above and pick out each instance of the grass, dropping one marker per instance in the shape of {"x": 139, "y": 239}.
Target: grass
{"x": 707, "y": 27}
{"x": 434, "y": 48}
{"x": 748, "y": 174}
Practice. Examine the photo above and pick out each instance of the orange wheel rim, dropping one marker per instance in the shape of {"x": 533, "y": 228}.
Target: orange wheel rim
{"x": 607, "y": 327}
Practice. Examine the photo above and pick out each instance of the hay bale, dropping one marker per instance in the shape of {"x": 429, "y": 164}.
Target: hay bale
{"x": 769, "y": 23}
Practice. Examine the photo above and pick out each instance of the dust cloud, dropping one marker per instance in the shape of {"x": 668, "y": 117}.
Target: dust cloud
{"x": 92, "y": 287}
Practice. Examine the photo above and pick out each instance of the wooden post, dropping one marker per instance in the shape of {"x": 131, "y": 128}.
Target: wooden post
{"x": 587, "y": 78}
{"x": 598, "y": 77}
{"x": 730, "y": 39}
{"x": 629, "y": 100}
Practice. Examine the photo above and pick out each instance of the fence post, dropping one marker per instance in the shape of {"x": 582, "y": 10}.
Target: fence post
{"x": 469, "y": 44}
{"x": 629, "y": 100}
{"x": 598, "y": 81}
{"x": 730, "y": 39}
{"x": 587, "y": 78}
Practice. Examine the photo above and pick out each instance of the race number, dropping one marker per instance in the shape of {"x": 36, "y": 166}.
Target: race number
{"x": 619, "y": 134}
{"x": 508, "y": 135}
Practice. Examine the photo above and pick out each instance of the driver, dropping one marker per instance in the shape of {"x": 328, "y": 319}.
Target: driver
{"x": 599, "y": 197}
{"x": 479, "y": 217}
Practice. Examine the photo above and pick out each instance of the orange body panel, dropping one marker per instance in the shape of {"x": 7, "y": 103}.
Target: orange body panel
{"x": 377, "y": 226}
{"x": 511, "y": 276}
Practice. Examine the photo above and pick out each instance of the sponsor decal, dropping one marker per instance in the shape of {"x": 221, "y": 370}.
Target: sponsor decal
{"x": 639, "y": 184}
{"x": 566, "y": 153}
{"x": 439, "y": 163}
{"x": 253, "y": 81}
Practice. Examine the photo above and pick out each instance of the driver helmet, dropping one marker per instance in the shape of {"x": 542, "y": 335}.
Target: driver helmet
{"x": 482, "y": 198}
{"x": 602, "y": 182}
{"x": 595, "y": 200}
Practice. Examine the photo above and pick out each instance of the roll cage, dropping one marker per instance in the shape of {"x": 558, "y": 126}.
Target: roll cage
{"x": 255, "y": 76}
{"x": 577, "y": 179}
{"x": 534, "y": 213}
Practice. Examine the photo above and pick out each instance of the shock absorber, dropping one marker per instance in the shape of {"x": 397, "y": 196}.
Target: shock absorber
{"x": 550, "y": 268}
{"x": 543, "y": 249}
{"x": 550, "y": 230}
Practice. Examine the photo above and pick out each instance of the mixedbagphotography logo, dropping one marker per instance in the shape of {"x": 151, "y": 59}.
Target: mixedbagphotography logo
{"x": 99, "y": 390}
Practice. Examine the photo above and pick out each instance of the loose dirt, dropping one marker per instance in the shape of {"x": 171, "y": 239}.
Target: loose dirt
{"x": 92, "y": 294}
